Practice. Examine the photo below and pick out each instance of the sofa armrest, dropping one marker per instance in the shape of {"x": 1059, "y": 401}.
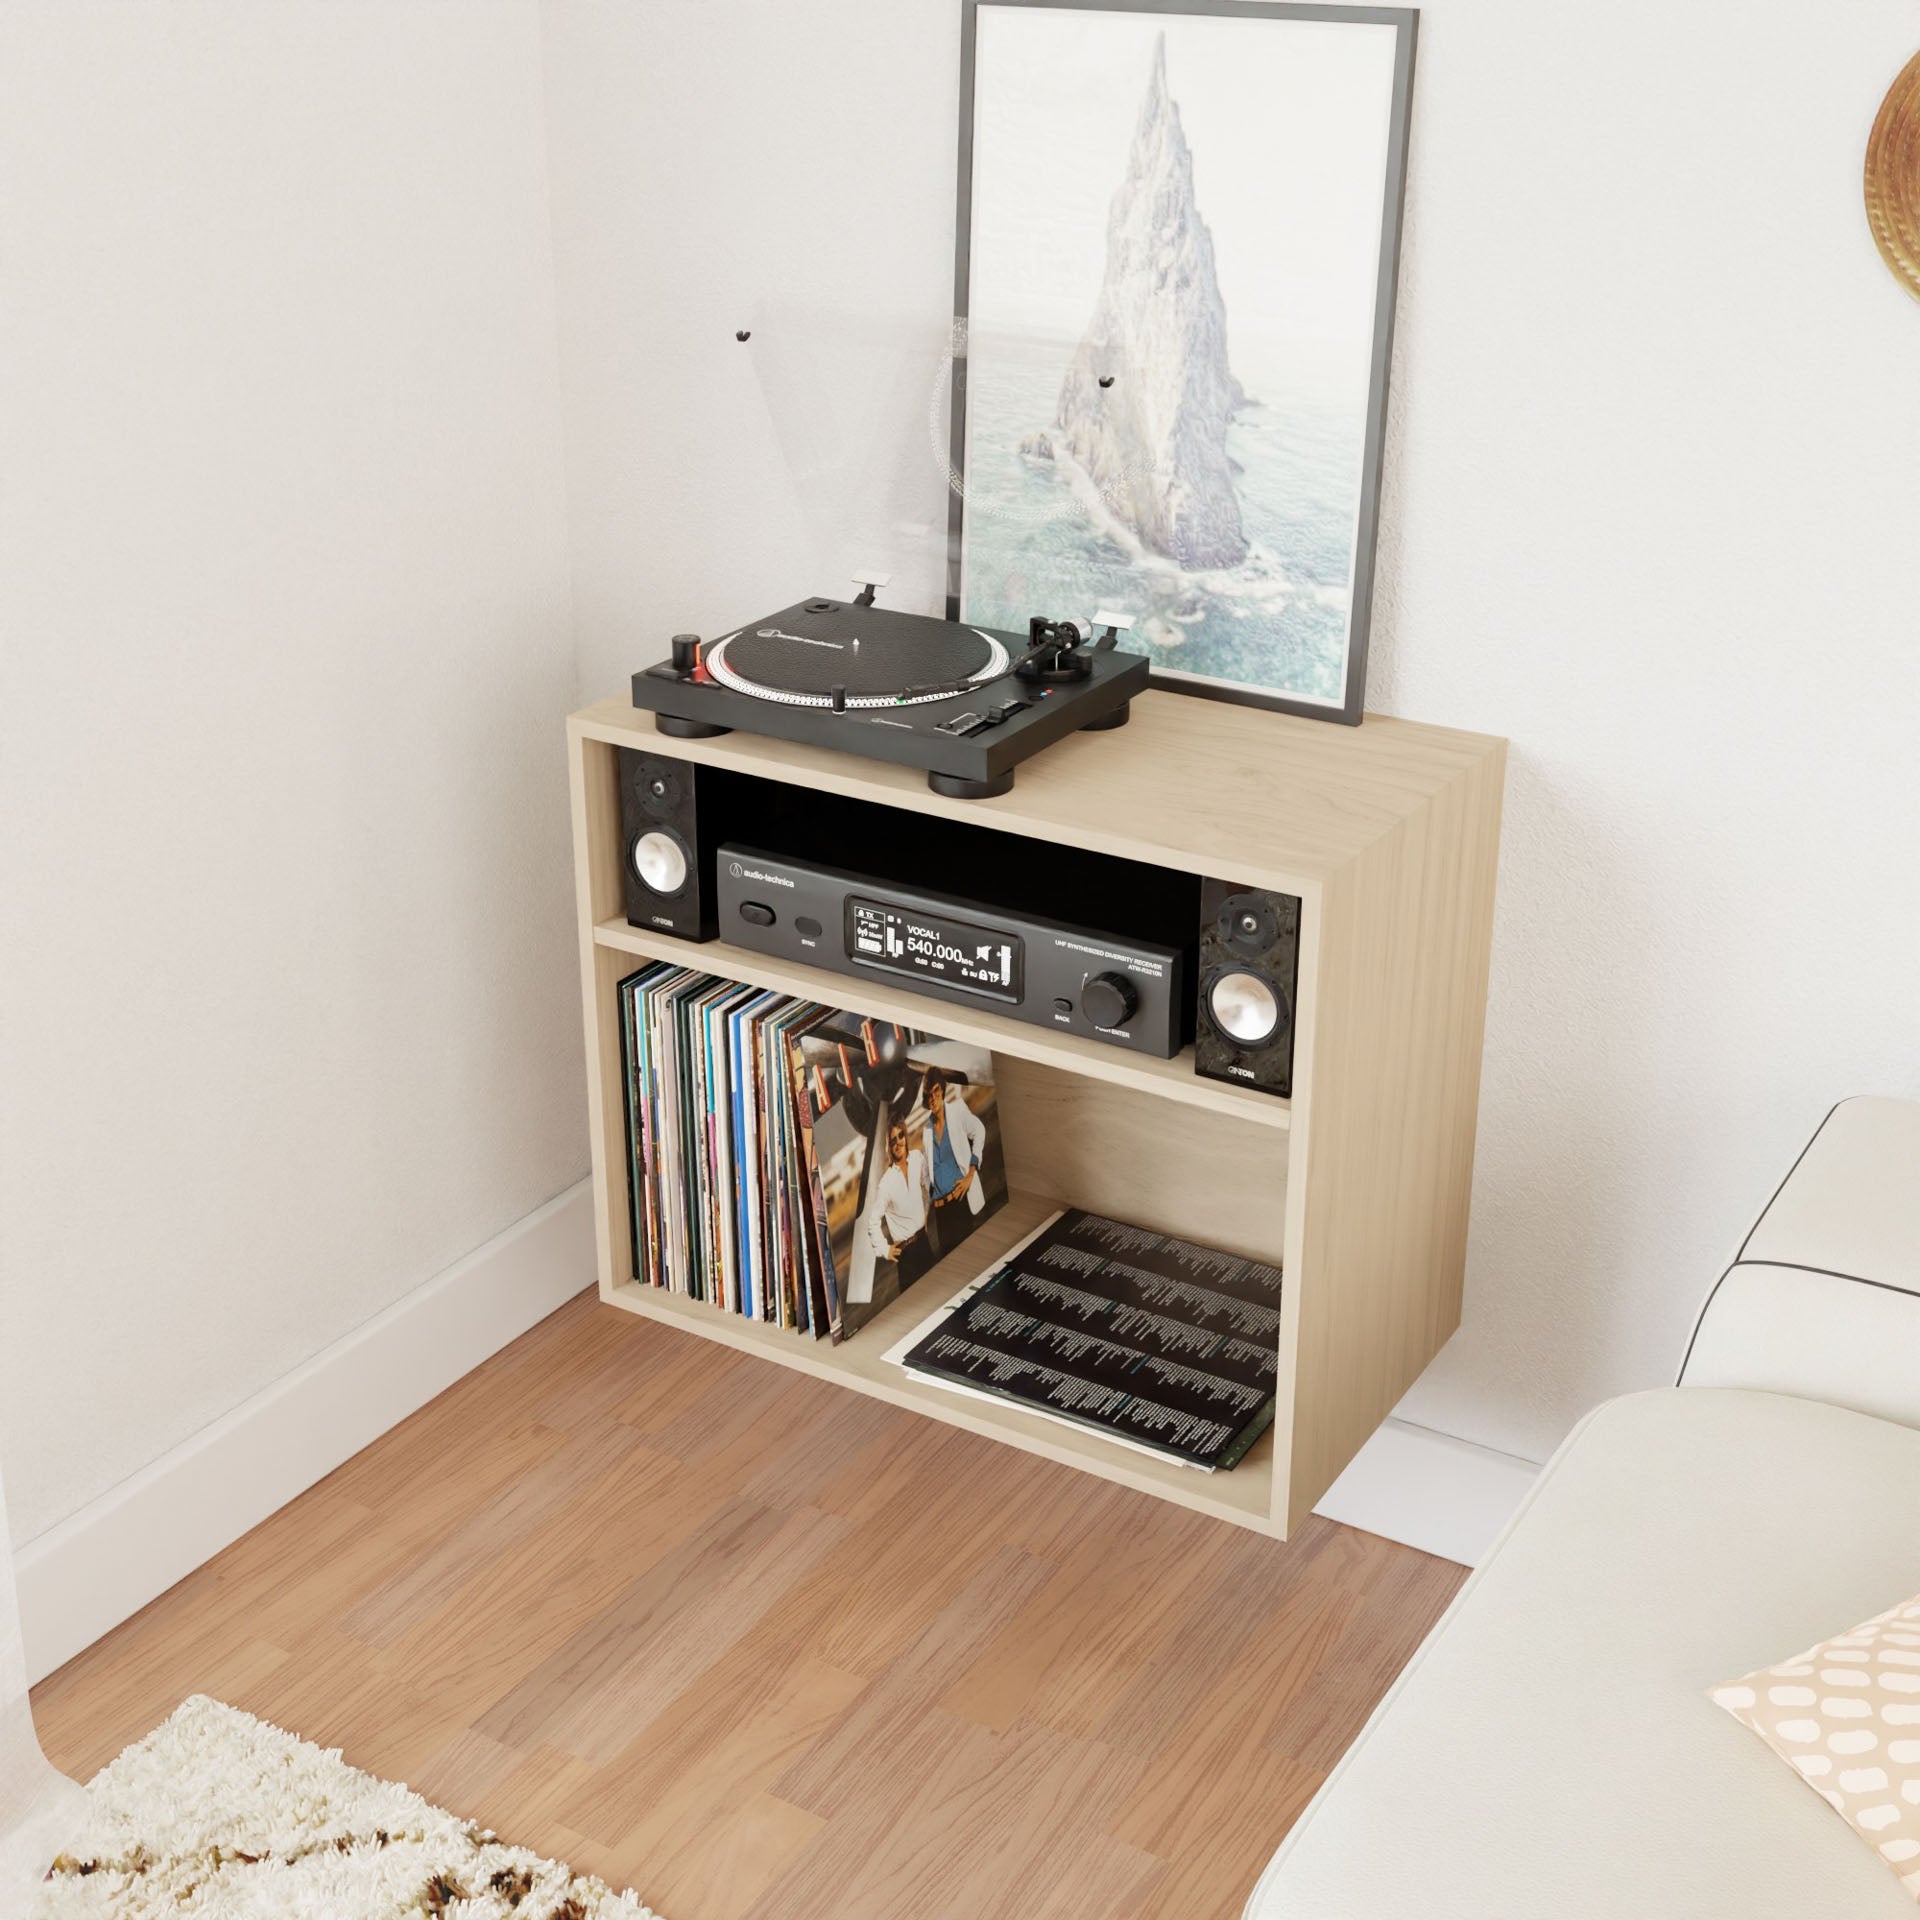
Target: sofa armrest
{"x": 1823, "y": 1298}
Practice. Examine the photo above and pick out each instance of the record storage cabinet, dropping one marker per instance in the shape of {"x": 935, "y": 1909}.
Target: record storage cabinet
{"x": 1388, "y": 833}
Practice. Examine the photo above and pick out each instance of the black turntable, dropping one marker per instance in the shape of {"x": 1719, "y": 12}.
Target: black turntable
{"x": 965, "y": 703}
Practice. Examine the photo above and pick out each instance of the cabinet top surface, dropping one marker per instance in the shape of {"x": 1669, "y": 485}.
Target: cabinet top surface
{"x": 1201, "y": 784}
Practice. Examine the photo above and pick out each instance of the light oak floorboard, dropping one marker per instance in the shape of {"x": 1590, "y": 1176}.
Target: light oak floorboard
{"x": 764, "y": 1650}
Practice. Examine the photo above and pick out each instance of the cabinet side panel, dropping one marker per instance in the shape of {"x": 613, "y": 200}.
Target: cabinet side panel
{"x": 599, "y": 843}
{"x": 1386, "y": 1162}
{"x": 594, "y": 781}
{"x": 610, "y": 1120}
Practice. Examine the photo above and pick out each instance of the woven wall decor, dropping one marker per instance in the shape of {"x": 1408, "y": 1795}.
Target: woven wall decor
{"x": 1893, "y": 177}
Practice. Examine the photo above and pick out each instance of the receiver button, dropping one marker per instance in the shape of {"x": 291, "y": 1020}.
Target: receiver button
{"x": 756, "y": 913}
{"x": 808, "y": 927}
{"x": 1063, "y": 1005}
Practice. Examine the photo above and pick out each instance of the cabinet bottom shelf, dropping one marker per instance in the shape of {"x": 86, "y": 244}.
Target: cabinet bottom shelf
{"x": 1245, "y": 1495}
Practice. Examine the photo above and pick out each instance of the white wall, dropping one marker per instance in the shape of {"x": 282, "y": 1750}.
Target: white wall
{"x": 290, "y": 1006}
{"x": 1654, "y": 499}
{"x": 1656, "y": 503}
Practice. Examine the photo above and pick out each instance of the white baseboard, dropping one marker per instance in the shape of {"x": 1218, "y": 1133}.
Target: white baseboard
{"x": 1429, "y": 1490}
{"x": 105, "y": 1562}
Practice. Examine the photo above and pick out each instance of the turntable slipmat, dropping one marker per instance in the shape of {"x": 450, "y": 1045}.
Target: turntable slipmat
{"x": 772, "y": 663}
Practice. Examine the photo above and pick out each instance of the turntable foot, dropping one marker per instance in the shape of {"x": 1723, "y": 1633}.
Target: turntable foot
{"x": 1117, "y": 718}
{"x": 956, "y": 786}
{"x": 678, "y": 729}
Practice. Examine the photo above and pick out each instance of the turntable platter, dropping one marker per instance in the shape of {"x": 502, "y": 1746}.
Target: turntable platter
{"x": 879, "y": 658}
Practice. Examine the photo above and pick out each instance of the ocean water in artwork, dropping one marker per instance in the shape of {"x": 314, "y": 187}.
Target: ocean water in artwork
{"x": 1041, "y": 538}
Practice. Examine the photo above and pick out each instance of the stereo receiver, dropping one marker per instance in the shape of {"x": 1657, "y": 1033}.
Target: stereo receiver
{"x": 1127, "y": 992}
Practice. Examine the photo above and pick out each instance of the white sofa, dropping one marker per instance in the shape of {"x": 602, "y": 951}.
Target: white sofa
{"x": 1549, "y": 1753}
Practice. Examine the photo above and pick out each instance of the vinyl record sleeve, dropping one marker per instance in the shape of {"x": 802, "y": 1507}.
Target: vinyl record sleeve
{"x": 660, "y": 1102}
{"x": 894, "y": 1192}
{"x": 1159, "y": 1341}
{"x": 681, "y": 1136}
{"x": 750, "y": 1123}
{"x": 755, "y": 1163}
{"x": 642, "y": 1212}
{"x": 725, "y": 1154}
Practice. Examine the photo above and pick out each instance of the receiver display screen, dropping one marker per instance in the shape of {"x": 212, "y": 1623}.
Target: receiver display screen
{"x": 892, "y": 939}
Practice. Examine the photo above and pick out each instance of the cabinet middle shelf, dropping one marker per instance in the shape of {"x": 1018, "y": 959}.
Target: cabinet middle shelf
{"x": 1172, "y": 1079}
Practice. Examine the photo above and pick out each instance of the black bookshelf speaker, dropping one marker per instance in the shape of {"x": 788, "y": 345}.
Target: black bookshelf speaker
{"x": 668, "y": 832}
{"x": 1248, "y": 973}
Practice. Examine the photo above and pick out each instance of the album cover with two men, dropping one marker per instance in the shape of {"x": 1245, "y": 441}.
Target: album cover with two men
{"x": 903, "y": 1133}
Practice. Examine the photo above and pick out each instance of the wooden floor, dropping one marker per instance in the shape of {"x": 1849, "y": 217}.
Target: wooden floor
{"x": 763, "y": 1650}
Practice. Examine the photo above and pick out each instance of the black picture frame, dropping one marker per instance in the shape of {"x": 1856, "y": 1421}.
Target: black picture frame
{"x": 1405, "y": 23}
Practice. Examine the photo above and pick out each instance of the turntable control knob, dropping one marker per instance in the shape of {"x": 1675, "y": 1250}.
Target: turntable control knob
{"x": 1108, "y": 999}
{"x": 686, "y": 652}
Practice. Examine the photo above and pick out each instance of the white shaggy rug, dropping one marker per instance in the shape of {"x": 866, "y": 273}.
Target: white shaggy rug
{"x": 217, "y": 1816}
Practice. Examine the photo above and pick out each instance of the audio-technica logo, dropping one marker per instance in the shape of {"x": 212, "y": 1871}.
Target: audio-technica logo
{"x": 806, "y": 640}
{"x": 740, "y": 872}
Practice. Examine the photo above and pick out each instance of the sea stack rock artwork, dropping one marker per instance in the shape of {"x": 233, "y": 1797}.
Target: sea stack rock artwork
{"x": 1147, "y": 400}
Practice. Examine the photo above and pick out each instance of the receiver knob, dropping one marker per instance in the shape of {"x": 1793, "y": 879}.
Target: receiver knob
{"x": 1108, "y": 999}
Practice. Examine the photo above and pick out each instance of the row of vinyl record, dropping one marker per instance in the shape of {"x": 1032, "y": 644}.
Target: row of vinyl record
{"x": 794, "y": 1163}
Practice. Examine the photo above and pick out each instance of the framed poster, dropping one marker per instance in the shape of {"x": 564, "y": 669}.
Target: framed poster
{"x": 1176, "y": 251}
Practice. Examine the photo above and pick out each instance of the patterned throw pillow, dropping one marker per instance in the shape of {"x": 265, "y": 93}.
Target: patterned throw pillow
{"x": 1845, "y": 1716}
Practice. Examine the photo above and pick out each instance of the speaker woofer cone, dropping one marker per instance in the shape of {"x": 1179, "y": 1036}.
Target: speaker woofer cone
{"x": 1245, "y": 1008}
{"x": 660, "y": 861}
